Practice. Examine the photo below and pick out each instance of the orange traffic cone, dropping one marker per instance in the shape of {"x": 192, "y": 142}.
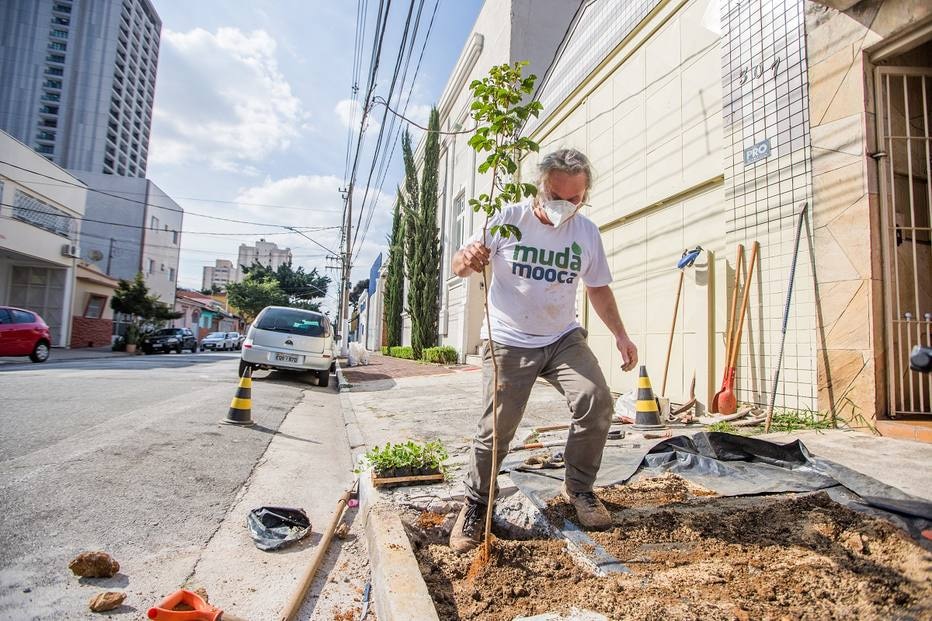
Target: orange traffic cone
{"x": 241, "y": 407}
{"x": 647, "y": 414}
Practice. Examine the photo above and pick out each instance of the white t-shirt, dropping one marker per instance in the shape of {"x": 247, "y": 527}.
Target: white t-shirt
{"x": 532, "y": 298}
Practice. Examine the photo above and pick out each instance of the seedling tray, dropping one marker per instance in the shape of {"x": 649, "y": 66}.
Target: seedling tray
{"x": 413, "y": 479}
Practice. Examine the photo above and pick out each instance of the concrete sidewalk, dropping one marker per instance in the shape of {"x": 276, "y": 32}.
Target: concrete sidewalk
{"x": 402, "y": 401}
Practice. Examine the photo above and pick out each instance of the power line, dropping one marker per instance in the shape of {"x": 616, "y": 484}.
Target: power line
{"x": 391, "y": 90}
{"x": 141, "y": 226}
{"x": 417, "y": 69}
{"x": 131, "y": 200}
{"x": 380, "y": 101}
{"x": 381, "y": 21}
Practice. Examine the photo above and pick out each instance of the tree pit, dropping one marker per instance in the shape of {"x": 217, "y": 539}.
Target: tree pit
{"x": 693, "y": 556}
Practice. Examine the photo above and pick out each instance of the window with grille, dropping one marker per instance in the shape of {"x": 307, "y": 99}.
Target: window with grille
{"x": 42, "y": 215}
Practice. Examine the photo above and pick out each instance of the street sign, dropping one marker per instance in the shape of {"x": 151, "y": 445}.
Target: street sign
{"x": 758, "y": 152}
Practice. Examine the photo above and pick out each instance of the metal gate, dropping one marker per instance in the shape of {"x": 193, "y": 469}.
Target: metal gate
{"x": 904, "y": 123}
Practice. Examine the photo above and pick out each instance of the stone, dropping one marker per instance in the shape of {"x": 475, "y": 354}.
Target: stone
{"x": 851, "y": 330}
{"x": 834, "y": 191}
{"x": 108, "y": 600}
{"x": 832, "y": 263}
{"x": 94, "y": 565}
{"x": 825, "y": 77}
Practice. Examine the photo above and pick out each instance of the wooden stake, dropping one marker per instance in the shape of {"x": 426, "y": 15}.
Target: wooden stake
{"x": 297, "y": 598}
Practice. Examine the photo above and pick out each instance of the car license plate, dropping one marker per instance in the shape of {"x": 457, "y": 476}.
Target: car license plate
{"x": 287, "y": 358}
{"x": 156, "y": 346}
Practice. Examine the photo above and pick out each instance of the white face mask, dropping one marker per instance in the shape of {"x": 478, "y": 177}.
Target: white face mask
{"x": 558, "y": 211}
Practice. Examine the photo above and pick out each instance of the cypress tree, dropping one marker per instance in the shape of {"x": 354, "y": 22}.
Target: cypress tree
{"x": 425, "y": 279}
{"x": 395, "y": 277}
{"x": 410, "y": 205}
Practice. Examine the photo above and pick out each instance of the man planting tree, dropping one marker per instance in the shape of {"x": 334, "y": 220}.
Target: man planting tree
{"x": 532, "y": 300}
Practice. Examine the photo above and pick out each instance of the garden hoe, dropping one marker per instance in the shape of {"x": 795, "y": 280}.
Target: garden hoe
{"x": 687, "y": 260}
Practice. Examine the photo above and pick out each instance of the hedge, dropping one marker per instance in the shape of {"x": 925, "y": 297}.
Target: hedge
{"x": 384, "y": 350}
{"x": 441, "y": 355}
{"x": 401, "y": 352}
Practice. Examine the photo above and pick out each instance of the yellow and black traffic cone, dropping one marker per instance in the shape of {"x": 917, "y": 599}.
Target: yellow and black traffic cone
{"x": 241, "y": 407}
{"x": 647, "y": 414}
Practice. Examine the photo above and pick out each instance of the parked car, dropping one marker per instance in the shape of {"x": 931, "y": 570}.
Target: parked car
{"x": 238, "y": 338}
{"x": 290, "y": 339}
{"x": 169, "y": 339}
{"x": 24, "y": 333}
{"x": 219, "y": 341}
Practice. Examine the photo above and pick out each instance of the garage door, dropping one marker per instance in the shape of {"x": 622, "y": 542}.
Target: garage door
{"x": 41, "y": 290}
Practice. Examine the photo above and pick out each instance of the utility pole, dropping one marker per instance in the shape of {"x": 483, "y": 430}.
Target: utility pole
{"x": 347, "y": 257}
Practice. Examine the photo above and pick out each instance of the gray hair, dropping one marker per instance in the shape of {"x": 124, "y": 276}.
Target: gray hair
{"x": 569, "y": 161}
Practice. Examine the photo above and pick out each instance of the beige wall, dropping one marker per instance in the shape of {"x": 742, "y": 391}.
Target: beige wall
{"x": 84, "y": 289}
{"x": 650, "y": 120}
{"x": 846, "y": 201}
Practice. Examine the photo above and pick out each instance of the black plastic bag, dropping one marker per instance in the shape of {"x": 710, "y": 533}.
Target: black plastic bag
{"x": 276, "y": 527}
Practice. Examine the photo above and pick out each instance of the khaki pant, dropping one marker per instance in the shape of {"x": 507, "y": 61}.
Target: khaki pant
{"x": 571, "y": 367}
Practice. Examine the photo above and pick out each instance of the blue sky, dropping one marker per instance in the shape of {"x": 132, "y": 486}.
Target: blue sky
{"x": 251, "y": 118}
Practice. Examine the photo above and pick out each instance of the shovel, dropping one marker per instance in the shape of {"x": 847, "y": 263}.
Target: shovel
{"x": 730, "y": 328}
{"x": 726, "y": 399}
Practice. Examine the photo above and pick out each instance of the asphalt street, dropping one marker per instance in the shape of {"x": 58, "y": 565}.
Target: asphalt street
{"x": 126, "y": 455}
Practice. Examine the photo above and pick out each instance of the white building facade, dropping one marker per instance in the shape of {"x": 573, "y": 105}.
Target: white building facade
{"x": 265, "y": 253}
{"x": 41, "y": 207}
{"x": 504, "y": 32}
{"x": 220, "y": 274}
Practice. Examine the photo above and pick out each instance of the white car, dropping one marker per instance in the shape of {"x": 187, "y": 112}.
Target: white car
{"x": 219, "y": 341}
{"x": 238, "y": 339}
{"x": 289, "y": 339}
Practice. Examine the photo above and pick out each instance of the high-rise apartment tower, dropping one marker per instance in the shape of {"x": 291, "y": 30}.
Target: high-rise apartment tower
{"x": 77, "y": 80}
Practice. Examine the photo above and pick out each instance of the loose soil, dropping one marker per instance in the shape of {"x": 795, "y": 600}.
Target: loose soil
{"x": 788, "y": 556}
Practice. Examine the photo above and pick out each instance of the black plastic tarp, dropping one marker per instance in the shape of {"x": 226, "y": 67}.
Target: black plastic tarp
{"x": 734, "y": 465}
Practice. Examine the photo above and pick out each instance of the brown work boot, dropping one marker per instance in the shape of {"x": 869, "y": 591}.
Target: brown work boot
{"x": 589, "y": 509}
{"x": 469, "y": 527}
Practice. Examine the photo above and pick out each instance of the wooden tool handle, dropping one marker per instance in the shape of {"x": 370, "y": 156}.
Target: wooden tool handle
{"x": 734, "y": 307}
{"x": 297, "y": 598}
{"x": 736, "y": 344}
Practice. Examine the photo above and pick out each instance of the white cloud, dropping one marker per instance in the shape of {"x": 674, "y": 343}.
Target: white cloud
{"x": 226, "y": 104}
{"x": 350, "y": 114}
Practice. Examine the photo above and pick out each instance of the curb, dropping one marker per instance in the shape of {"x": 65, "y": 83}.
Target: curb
{"x": 399, "y": 590}
{"x": 354, "y": 436}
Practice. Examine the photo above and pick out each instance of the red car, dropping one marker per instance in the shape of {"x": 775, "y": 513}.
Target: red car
{"x": 23, "y": 333}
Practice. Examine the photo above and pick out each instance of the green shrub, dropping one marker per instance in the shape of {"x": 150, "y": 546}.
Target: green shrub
{"x": 384, "y": 350}
{"x": 401, "y": 352}
{"x": 441, "y": 355}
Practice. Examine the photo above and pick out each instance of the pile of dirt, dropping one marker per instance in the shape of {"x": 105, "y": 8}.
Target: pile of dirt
{"x": 693, "y": 557}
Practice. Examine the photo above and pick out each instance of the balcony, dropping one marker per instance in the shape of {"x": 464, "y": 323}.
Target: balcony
{"x": 53, "y": 84}
{"x": 57, "y": 33}
{"x": 53, "y": 123}
{"x": 51, "y": 97}
{"x": 57, "y": 71}
{"x": 49, "y": 110}
{"x": 46, "y": 136}
{"x": 56, "y": 58}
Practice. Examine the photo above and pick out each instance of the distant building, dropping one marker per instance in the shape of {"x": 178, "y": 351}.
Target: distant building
{"x": 40, "y": 220}
{"x": 203, "y": 315}
{"x": 92, "y": 324}
{"x": 220, "y": 274}
{"x": 77, "y": 80}
{"x": 265, "y": 253}
{"x": 132, "y": 226}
